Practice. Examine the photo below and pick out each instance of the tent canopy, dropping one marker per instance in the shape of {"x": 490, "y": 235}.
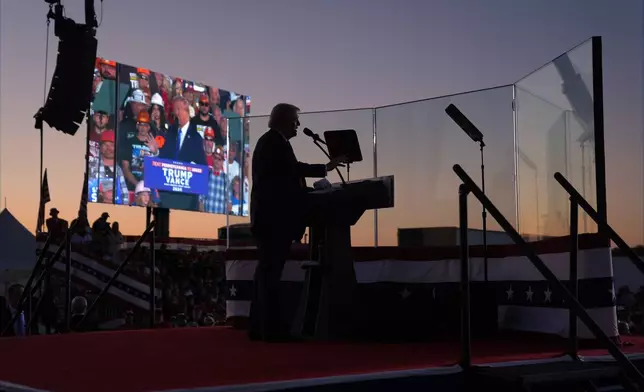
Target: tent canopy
{"x": 17, "y": 245}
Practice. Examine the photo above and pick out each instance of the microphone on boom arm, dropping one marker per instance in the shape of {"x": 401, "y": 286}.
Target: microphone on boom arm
{"x": 314, "y": 136}
{"x": 317, "y": 140}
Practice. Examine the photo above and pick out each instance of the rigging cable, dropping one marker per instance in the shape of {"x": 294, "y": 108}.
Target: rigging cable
{"x": 42, "y": 142}
{"x": 46, "y": 57}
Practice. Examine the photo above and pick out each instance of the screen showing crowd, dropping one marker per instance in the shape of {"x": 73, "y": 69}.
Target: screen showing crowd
{"x": 160, "y": 141}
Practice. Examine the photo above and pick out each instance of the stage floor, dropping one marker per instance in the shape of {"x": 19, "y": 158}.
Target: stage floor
{"x": 185, "y": 358}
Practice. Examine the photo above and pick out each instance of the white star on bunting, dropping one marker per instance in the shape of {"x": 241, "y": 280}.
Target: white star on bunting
{"x": 528, "y": 294}
{"x": 405, "y": 293}
{"x": 548, "y": 295}
{"x": 233, "y": 291}
{"x": 510, "y": 292}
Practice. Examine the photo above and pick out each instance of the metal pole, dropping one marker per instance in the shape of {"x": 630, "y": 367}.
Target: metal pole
{"x": 148, "y": 216}
{"x": 153, "y": 285}
{"x": 466, "y": 343}
{"x": 375, "y": 174}
{"x": 574, "y": 283}
{"x": 228, "y": 183}
{"x": 68, "y": 282}
{"x": 515, "y": 117}
{"x": 484, "y": 215}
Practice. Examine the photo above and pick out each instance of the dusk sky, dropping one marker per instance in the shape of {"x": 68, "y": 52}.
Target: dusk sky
{"x": 333, "y": 54}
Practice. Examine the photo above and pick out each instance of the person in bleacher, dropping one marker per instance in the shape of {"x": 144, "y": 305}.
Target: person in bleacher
{"x": 56, "y": 227}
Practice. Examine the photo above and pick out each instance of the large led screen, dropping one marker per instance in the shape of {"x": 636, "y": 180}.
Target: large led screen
{"x": 159, "y": 141}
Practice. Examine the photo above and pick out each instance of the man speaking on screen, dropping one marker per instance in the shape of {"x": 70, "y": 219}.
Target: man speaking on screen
{"x": 182, "y": 144}
{"x": 278, "y": 198}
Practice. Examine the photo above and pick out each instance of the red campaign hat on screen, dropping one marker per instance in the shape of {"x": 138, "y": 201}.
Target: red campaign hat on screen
{"x": 107, "y": 136}
{"x": 204, "y": 99}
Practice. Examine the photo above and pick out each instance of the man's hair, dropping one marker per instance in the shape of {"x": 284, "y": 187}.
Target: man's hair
{"x": 282, "y": 113}
{"x": 181, "y": 99}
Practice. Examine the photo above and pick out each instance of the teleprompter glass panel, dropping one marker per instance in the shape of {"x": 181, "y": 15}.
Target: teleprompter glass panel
{"x": 555, "y": 133}
{"x": 419, "y": 143}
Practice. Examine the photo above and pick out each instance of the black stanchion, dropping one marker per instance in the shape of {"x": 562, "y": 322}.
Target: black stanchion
{"x": 68, "y": 283}
{"x": 574, "y": 282}
{"x": 466, "y": 333}
{"x": 153, "y": 282}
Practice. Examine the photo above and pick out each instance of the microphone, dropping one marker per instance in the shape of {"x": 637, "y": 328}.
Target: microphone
{"x": 313, "y": 136}
{"x": 465, "y": 124}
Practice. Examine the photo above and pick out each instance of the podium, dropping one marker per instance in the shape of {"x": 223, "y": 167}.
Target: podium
{"x": 329, "y": 299}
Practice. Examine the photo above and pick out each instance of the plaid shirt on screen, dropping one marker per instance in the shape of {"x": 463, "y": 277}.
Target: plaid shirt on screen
{"x": 121, "y": 192}
{"x": 215, "y": 201}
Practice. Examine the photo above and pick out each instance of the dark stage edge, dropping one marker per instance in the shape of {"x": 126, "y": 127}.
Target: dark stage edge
{"x": 222, "y": 359}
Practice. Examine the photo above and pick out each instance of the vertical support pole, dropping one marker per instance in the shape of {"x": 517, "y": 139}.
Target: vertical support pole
{"x": 228, "y": 184}
{"x": 375, "y": 174}
{"x": 515, "y": 117}
{"x": 148, "y": 216}
{"x": 598, "y": 117}
{"x": 68, "y": 282}
{"x": 466, "y": 341}
{"x": 153, "y": 284}
{"x": 573, "y": 276}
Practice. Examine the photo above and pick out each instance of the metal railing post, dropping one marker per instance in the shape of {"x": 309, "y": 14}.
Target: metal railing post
{"x": 466, "y": 336}
{"x": 603, "y": 226}
{"x": 46, "y": 272}
{"x": 117, "y": 273}
{"x": 573, "y": 277}
{"x": 153, "y": 282}
{"x": 629, "y": 368}
{"x": 28, "y": 288}
{"x": 68, "y": 283}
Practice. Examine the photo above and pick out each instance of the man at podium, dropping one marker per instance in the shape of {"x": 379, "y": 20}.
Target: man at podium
{"x": 278, "y": 198}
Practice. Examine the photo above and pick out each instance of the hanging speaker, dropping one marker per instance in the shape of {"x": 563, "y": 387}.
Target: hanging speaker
{"x": 70, "y": 92}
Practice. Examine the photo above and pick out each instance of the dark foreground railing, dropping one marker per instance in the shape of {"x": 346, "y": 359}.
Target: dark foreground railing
{"x": 31, "y": 286}
{"x": 470, "y": 187}
{"x": 577, "y": 200}
{"x": 148, "y": 231}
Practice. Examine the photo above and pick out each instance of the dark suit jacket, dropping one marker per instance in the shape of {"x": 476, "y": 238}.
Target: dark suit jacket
{"x": 278, "y": 197}
{"x": 191, "y": 151}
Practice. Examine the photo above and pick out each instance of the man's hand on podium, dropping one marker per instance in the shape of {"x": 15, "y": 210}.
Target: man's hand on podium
{"x": 336, "y": 162}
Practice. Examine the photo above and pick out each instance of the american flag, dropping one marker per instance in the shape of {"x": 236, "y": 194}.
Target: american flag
{"x": 45, "y": 198}
{"x": 82, "y": 209}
